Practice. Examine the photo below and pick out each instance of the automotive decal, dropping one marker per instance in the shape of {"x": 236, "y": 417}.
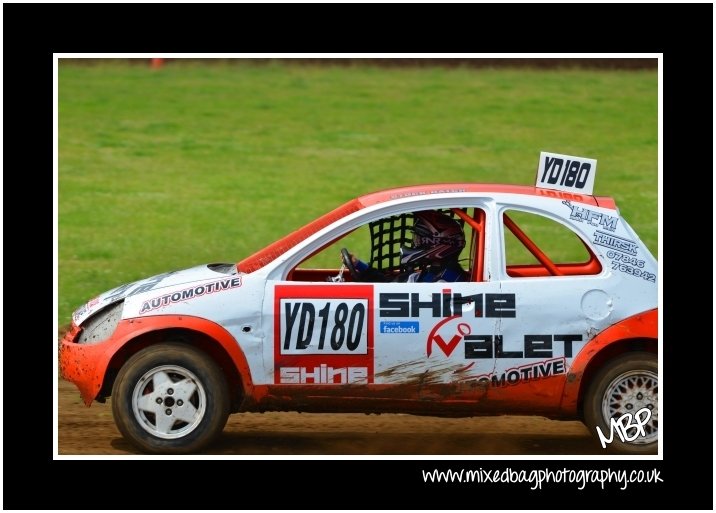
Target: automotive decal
{"x": 524, "y": 373}
{"x": 190, "y": 293}
{"x": 566, "y": 172}
{"x": 593, "y": 218}
{"x": 323, "y": 334}
{"x": 613, "y": 242}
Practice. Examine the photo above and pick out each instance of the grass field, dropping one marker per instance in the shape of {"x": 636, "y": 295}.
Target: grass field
{"x": 165, "y": 169}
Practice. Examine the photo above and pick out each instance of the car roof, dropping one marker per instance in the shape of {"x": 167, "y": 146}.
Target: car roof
{"x": 486, "y": 188}
{"x": 276, "y": 249}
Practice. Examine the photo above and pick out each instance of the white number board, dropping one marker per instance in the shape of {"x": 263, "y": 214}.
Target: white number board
{"x": 566, "y": 173}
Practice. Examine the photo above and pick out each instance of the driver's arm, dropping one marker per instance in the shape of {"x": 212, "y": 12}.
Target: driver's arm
{"x": 359, "y": 264}
{"x": 366, "y": 272}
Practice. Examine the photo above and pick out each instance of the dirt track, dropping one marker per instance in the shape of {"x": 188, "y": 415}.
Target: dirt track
{"x": 91, "y": 431}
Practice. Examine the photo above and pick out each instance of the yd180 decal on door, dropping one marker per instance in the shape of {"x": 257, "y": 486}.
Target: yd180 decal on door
{"x": 323, "y": 334}
{"x": 324, "y": 326}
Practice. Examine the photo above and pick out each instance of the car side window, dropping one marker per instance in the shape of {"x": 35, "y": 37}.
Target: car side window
{"x": 378, "y": 246}
{"x": 536, "y": 245}
{"x": 356, "y": 241}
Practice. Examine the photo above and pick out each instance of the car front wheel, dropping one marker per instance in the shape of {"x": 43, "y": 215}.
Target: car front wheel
{"x": 623, "y": 402}
{"x": 170, "y": 398}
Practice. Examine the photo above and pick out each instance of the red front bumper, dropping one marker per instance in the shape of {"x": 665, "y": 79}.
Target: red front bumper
{"x": 83, "y": 364}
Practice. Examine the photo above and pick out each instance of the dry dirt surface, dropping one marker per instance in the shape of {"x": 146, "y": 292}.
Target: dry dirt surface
{"x": 91, "y": 431}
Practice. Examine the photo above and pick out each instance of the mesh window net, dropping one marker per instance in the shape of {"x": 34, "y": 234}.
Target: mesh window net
{"x": 387, "y": 235}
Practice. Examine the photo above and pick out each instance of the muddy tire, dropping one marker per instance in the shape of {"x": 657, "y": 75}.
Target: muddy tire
{"x": 170, "y": 398}
{"x": 627, "y": 384}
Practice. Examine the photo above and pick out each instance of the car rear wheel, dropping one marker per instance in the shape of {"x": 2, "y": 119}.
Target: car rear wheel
{"x": 626, "y": 388}
{"x": 170, "y": 398}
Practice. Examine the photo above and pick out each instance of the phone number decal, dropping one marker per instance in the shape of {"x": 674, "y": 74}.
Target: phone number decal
{"x": 630, "y": 265}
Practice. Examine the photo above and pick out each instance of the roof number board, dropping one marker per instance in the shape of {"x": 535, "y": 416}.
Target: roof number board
{"x": 566, "y": 173}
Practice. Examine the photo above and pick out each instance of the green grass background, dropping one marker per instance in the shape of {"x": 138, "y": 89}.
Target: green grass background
{"x": 165, "y": 169}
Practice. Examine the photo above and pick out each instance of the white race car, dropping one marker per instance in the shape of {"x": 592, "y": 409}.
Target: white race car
{"x": 550, "y": 309}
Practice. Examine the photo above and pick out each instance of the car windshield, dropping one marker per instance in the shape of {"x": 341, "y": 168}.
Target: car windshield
{"x": 278, "y": 248}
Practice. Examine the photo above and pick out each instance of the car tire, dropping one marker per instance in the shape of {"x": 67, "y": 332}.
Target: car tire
{"x": 626, "y": 384}
{"x": 170, "y": 398}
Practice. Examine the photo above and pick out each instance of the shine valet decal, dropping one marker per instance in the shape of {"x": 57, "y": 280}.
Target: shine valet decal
{"x": 322, "y": 339}
{"x": 550, "y": 350}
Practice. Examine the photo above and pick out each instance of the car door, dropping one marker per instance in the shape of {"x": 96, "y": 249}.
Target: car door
{"x": 437, "y": 337}
{"x": 426, "y": 338}
{"x": 561, "y": 300}
{"x": 423, "y": 338}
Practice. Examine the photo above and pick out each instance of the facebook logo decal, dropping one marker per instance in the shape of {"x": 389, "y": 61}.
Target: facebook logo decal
{"x": 399, "y": 327}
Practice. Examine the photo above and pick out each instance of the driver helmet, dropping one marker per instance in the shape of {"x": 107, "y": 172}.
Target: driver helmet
{"x": 437, "y": 238}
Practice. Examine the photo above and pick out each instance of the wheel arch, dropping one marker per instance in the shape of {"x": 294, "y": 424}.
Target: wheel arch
{"x": 636, "y": 333}
{"x": 204, "y": 335}
{"x": 610, "y": 352}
